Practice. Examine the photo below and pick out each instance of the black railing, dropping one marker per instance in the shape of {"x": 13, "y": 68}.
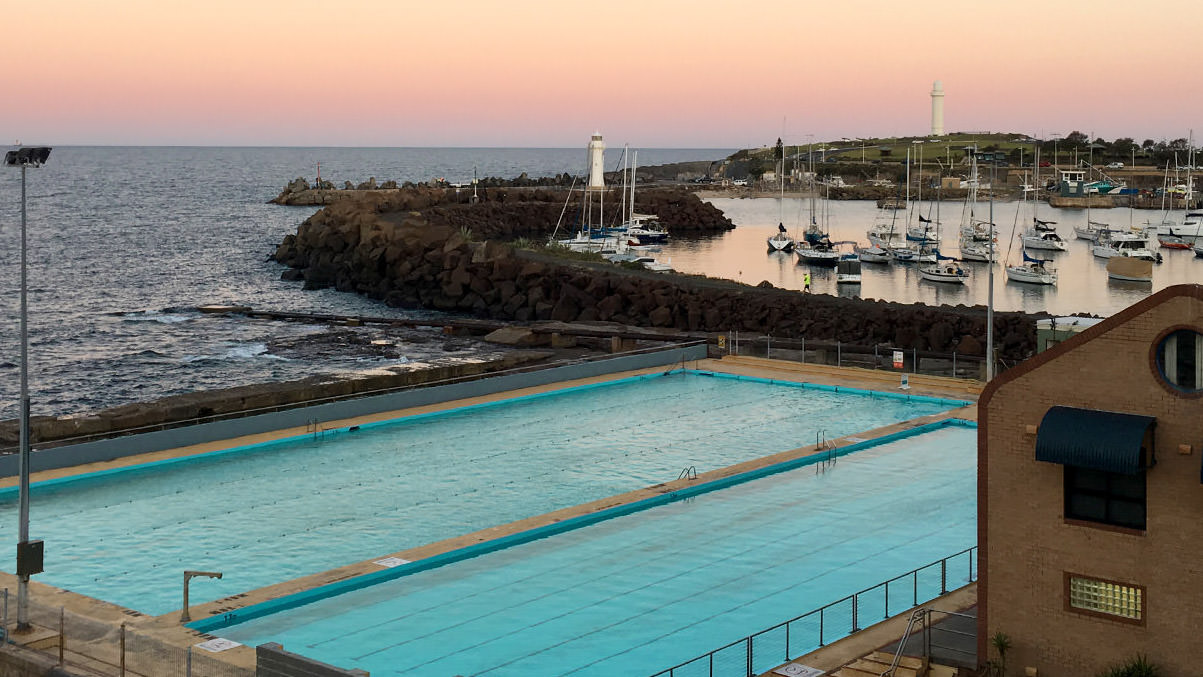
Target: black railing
{"x": 865, "y": 355}
{"x": 764, "y": 650}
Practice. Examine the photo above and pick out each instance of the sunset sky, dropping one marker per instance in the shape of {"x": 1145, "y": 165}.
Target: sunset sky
{"x": 654, "y": 73}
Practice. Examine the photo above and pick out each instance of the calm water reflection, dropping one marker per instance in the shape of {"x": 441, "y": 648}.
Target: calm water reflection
{"x": 1083, "y": 285}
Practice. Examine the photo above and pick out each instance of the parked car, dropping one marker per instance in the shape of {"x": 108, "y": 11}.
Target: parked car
{"x": 1045, "y": 163}
{"x": 739, "y": 182}
{"x": 1115, "y": 165}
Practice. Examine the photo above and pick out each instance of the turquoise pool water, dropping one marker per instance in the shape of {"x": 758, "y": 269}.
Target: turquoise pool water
{"x": 273, "y": 512}
{"x": 638, "y": 593}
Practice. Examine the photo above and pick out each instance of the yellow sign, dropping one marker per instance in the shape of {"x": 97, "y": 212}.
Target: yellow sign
{"x": 722, "y": 341}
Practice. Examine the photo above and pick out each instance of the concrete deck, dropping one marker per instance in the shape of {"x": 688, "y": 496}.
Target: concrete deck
{"x": 166, "y": 627}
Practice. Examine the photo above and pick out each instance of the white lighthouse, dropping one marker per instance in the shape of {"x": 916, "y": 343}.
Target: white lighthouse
{"x": 597, "y": 182}
{"x": 597, "y": 162}
{"x": 937, "y": 108}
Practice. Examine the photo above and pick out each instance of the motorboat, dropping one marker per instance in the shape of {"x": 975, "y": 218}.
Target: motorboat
{"x": 1037, "y": 239}
{"x": 781, "y": 241}
{"x": 1129, "y": 270}
{"x": 912, "y": 255}
{"x": 873, "y": 254}
{"x": 1032, "y": 271}
{"x": 1109, "y": 246}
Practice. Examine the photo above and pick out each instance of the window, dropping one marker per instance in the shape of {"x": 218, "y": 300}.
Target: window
{"x": 1111, "y": 498}
{"x": 1105, "y": 597}
{"x": 1180, "y": 360}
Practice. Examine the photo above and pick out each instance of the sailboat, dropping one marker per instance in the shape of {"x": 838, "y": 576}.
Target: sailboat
{"x": 917, "y": 253}
{"x": 816, "y": 249}
{"x": 946, "y": 269}
{"x": 972, "y": 248}
{"x": 781, "y": 241}
{"x": 1032, "y": 270}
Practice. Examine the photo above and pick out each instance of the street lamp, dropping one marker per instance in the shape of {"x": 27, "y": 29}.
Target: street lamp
{"x": 29, "y": 553}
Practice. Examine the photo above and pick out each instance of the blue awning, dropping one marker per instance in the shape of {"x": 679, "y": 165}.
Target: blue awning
{"x": 1088, "y": 438}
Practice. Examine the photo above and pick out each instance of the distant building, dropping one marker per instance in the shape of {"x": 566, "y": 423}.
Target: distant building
{"x": 1090, "y": 495}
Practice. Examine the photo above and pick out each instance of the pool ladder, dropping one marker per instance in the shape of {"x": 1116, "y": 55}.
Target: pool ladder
{"x": 828, "y": 449}
{"x": 690, "y": 473}
{"x": 314, "y": 427}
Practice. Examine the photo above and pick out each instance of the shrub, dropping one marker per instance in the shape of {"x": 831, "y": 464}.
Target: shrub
{"x": 1137, "y": 666}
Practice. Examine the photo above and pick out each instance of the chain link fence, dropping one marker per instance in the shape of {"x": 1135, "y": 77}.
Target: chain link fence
{"x": 103, "y": 648}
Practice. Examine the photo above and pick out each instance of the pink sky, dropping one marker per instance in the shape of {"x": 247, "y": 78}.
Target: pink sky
{"x": 654, "y": 73}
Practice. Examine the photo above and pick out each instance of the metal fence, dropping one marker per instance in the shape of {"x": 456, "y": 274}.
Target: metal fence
{"x": 103, "y": 648}
{"x": 867, "y": 356}
{"x": 765, "y": 650}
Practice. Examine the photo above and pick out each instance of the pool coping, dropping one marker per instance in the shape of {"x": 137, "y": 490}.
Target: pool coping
{"x": 168, "y": 628}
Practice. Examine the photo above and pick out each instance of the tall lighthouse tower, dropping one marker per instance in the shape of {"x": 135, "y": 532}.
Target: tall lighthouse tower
{"x": 937, "y": 108}
{"x": 597, "y": 180}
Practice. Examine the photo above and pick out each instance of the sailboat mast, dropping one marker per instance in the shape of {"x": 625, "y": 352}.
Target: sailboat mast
{"x": 634, "y": 167}
{"x": 626, "y": 160}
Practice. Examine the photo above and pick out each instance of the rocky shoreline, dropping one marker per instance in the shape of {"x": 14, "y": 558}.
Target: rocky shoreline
{"x": 413, "y": 249}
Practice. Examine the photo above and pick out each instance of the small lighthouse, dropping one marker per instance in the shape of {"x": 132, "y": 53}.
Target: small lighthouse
{"x": 937, "y": 108}
{"x": 597, "y": 181}
{"x": 597, "y": 162}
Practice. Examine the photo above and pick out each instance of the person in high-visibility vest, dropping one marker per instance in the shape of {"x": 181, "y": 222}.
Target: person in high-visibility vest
{"x": 806, "y": 283}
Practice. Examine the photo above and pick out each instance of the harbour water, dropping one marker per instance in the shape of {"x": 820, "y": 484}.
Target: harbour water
{"x": 1082, "y": 287}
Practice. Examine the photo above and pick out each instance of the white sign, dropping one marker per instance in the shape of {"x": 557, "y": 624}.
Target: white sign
{"x": 906, "y": 382}
{"x": 218, "y": 644}
{"x": 390, "y": 562}
{"x": 798, "y": 670}
{"x": 898, "y": 359}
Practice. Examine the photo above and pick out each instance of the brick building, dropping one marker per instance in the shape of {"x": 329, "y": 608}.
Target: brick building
{"x": 1090, "y": 503}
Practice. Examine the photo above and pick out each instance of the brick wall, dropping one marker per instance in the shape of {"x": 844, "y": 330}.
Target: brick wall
{"x": 271, "y": 660}
{"x": 1027, "y": 544}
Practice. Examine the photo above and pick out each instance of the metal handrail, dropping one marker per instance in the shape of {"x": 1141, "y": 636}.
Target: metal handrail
{"x": 910, "y": 625}
{"x": 854, "y": 597}
{"x": 243, "y": 413}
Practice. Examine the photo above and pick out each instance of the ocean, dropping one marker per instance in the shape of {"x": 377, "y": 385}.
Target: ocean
{"x": 122, "y": 241}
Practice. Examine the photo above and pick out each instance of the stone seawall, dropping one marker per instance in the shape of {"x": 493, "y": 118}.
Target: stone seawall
{"x": 411, "y": 258}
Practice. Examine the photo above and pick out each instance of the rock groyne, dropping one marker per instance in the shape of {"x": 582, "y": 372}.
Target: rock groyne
{"x": 420, "y": 256}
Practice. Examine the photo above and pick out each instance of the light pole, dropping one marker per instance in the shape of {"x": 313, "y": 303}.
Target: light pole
{"x": 1056, "y": 157}
{"x": 29, "y": 553}
{"x": 990, "y": 288}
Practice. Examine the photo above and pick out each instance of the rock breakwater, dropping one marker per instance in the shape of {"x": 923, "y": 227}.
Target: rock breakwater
{"x": 414, "y": 251}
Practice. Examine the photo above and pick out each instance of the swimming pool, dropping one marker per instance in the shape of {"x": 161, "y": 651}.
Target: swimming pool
{"x": 637, "y": 593}
{"x": 273, "y": 512}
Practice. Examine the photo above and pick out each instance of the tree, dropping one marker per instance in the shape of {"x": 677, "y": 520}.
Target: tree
{"x": 1075, "y": 139}
{"x": 779, "y": 150}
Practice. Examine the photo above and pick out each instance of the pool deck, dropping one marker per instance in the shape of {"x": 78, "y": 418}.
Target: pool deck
{"x": 167, "y": 628}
